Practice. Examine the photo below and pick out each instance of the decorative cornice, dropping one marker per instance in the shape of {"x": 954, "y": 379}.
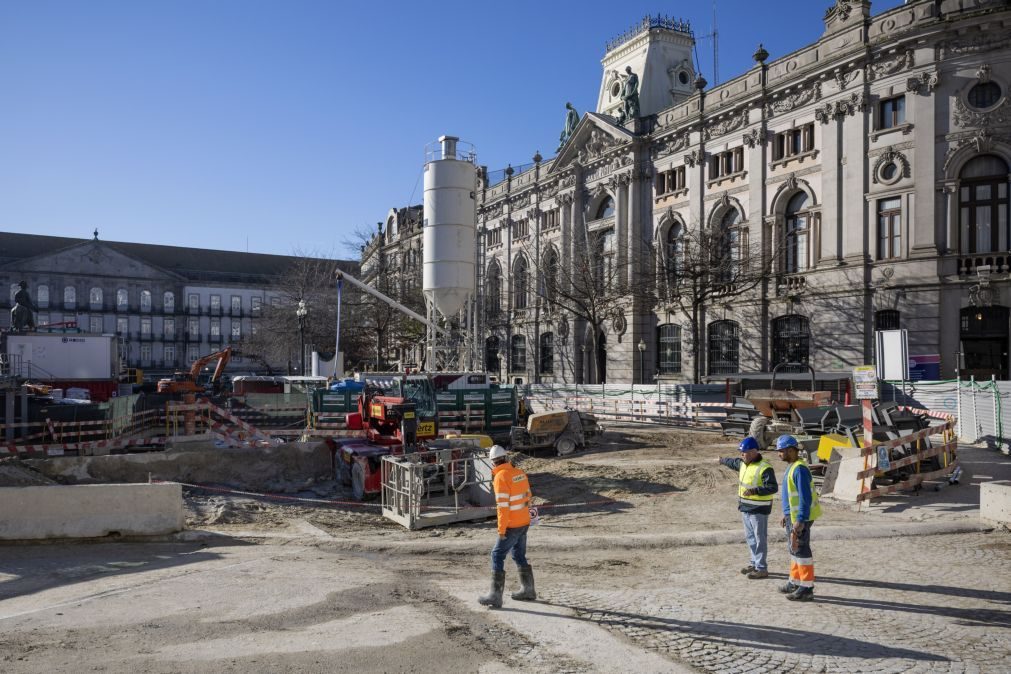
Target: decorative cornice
{"x": 670, "y": 144}
{"x": 888, "y": 66}
{"x": 694, "y": 157}
{"x": 731, "y": 123}
{"x": 756, "y": 136}
{"x": 924, "y": 83}
{"x": 841, "y": 108}
{"x": 795, "y": 100}
{"x": 983, "y": 42}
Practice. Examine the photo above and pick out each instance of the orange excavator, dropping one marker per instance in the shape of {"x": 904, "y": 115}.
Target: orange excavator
{"x": 187, "y": 382}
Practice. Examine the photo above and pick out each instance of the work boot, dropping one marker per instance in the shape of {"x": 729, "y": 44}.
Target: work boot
{"x": 788, "y": 588}
{"x": 494, "y": 598}
{"x": 802, "y": 594}
{"x": 756, "y": 574}
{"x": 526, "y": 592}
{"x": 748, "y": 569}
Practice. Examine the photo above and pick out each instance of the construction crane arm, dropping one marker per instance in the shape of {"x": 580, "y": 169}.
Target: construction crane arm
{"x": 224, "y": 355}
{"x": 343, "y": 275}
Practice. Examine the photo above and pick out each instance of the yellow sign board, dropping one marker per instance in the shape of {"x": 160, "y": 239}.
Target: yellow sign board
{"x": 426, "y": 428}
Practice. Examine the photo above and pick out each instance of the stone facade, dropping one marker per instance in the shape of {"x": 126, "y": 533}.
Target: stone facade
{"x": 872, "y": 167}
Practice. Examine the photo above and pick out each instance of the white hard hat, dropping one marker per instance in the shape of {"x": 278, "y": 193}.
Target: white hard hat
{"x": 497, "y": 452}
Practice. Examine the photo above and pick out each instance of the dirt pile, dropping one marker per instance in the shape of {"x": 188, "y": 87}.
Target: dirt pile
{"x": 14, "y": 473}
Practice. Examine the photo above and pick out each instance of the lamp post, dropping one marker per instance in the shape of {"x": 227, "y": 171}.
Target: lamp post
{"x": 302, "y": 312}
{"x": 585, "y": 373}
{"x": 642, "y": 358}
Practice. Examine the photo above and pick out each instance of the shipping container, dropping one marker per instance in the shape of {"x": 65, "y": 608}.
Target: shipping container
{"x": 46, "y": 356}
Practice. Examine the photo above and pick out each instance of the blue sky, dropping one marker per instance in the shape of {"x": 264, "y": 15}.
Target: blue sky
{"x": 284, "y": 126}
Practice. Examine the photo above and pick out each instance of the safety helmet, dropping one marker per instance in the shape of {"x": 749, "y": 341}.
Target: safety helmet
{"x": 747, "y": 444}
{"x": 785, "y": 442}
{"x": 497, "y": 452}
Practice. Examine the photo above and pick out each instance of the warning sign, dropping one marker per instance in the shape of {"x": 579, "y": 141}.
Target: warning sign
{"x": 865, "y": 383}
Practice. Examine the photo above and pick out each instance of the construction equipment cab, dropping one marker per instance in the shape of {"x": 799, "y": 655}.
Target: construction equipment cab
{"x": 188, "y": 382}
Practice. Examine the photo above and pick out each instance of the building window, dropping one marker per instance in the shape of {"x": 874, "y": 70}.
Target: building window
{"x": 95, "y": 325}
{"x": 42, "y": 297}
{"x": 889, "y": 228}
{"x": 668, "y": 340}
{"x": 256, "y": 305}
{"x": 170, "y": 355}
{"x": 670, "y": 181}
{"x": 729, "y": 244}
{"x": 95, "y": 298}
{"x": 69, "y": 297}
{"x": 886, "y": 319}
{"x": 606, "y": 209}
{"x": 145, "y": 300}
{"x": 192, "y": 353}
{"x": 547, "y": 353}
{"x": 494, "y": 289}
{"x": 724, "y": 347}
{"x": 169, "y": 328}
{"x": 551, "y": 267}
{"x": 145, "y": 354}
{"x": 552, "y": 218}
{"x": 984, "y": 95}
{"x": 145, "y": 326}
{"x": 70, "y": 320}
{"x": 674, "y": 252}
{"x": 169, "y": 302}
{"x": 122, "y": 326}
{"x": 983, "y": 205}
{"x": 275, "y": 302}
{"x": 796, "y": 234}
{"x": 892, "y": 112}
{"x": 518, "y": 354}
{"x": 215, "y": 328}
{"x": 726, "y": 163}
{"x": 236, "y": 330}
{"x": 603, "y": 259}
{"x": 43, "y": 320}
{"x": 236, "y": 305}
{"x": 793, "y": 142}
{"x": 520, "y": 283}
{"x": 216, "y": 304}
{"x": 193, "y": 328}
{"x": 122, "y": 299}
{"x": 494, "y": 236}
{"x": 791, "y": 340}
{"x": 491, "y": 359}
{"x": 520, "y": 229}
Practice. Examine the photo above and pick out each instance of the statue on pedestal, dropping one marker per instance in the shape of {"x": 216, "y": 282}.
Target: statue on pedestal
{"x": 571, "y": 120}
{"x": 21, "y": 313}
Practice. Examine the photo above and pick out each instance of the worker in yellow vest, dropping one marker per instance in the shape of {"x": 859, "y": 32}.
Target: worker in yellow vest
{"x": 800, "y": 510}
{"x": 756, "y": 485}
{"x": 512, "y": 498}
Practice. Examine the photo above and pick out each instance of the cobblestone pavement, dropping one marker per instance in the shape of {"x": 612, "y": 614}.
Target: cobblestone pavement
{"x": 932, "y": 604}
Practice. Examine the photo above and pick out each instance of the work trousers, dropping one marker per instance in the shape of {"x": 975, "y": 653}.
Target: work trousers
{"x": 801, "y": 559}
{"x": 515, "y": 541}
{"x": 756, "y": 533}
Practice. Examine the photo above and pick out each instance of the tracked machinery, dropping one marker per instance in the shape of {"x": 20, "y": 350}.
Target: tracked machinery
{"x": 188, "y": 382}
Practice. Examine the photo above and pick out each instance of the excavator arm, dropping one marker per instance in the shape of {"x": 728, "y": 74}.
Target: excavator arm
{"x": 224, "y": 356}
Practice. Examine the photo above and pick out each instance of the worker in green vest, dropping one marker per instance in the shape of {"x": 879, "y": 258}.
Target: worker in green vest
{"x": 800, "y": 510}
{"x": 756, "y": 485}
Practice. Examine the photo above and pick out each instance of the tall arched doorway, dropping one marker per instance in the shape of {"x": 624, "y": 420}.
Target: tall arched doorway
{"x": 984, "y": 335}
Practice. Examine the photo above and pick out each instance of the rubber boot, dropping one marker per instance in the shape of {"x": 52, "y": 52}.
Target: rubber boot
{"x": 527, "y": 592}
{"x": 494, "y": 598}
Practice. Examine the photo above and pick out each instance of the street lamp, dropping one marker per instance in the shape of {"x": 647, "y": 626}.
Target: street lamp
{"x": 642, "y": 357}
{"x": 302, "y": 312}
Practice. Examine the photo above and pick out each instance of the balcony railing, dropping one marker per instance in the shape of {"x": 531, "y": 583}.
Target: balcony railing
{"x": 998, "y": 263}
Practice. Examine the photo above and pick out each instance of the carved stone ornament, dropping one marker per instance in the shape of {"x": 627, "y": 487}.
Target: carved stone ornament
{"x": 981, "y": 294}
{"x": 619, "y": 324}
{"x": 567, "y": 180}
{"x": 841, "y": 108}
{"x": 981, "y": 141}
{"x": 755, "y": 137}
{"x": 842, "y": 79}
{"x": 984, "y": 42}
{"x": 731, "y": 123}
{"x": 924, "y": 83}
{"x": 566, "y": 198}
{"x": 983, "y": 73}
{"x": 724, "y": 200}
{"x": 891, "y": 156}
{"x": 598, "y": 144}
{"x": 791, "y": 182}
{"x": 563, "y": 327}
{"x": 840, "y": 10}
{"x": 795, "y": 100}
{"x": 1000, "y": 116}
{"x": 695, "y": 157}
{"x": 671, "y": 144}
{"x": 888, "y": 66}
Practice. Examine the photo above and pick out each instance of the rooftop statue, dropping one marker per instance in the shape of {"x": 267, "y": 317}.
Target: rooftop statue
{"x": 630, "y": 95}
{"x": 571, "y": 120}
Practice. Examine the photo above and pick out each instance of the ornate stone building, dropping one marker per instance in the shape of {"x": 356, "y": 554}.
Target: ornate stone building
{"x": 870, "y": 169}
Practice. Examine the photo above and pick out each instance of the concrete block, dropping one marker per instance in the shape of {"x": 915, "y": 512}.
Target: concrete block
{"x": 90, "y": 511}
{"x": 995, "y": 502}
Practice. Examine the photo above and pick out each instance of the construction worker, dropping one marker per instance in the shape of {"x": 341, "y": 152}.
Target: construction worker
{"x": 512, "y": 496}
{"x": 800, "y": 510}
{"x": 756, "y": 485}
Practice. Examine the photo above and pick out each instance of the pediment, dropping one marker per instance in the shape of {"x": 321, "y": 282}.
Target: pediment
{"x": 93, "y": 258}
{"x": 593, "y": 137}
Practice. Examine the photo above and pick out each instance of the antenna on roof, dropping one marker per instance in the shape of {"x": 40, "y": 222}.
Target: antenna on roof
{"x": 715, "y": 35}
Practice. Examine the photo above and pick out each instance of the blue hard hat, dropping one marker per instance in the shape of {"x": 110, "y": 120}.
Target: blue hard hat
{"x": 747, "y": 444}
{"x": 785, "y": 442}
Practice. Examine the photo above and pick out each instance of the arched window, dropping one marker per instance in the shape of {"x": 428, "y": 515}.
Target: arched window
{"x": 169, "y": 302}
{"x": 494, "y": 289}
{"x": 983, "y": 205}
{"x": 668, "y": 342}
{"x": 520, "y": 283}
{"x": 796, "y": 234}
{"x": 491, "y": 359}
{"x": 551, "y": 275}
{"x": 42, "y": 296}
{"x": 122, "y": 299}
{"x": 547, "y": 353}
{"x": 728, "y": 246}
{"x": 69, "y": 297}
{"x": 95, "y": 298}
{"x": 606, "y": 209}
{"x": 886, "y": 319}
{"x": 791, "y": 340}
{"x": 674, "y": 253}
{"x": 518, "y": 354}
{"x": 724, "y": 347}
{"x": 145, "y": 300}
{"x": 602, "y": 249}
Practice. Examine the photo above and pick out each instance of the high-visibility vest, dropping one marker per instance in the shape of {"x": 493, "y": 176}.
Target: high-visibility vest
{"x": 512, "y": 496}
{"x": 793, "y": 495}
{"x": 750, "y": 477}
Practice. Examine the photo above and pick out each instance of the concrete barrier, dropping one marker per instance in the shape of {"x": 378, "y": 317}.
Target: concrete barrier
{"x": 90, "y": 511}
{"x": 995, "y": 502}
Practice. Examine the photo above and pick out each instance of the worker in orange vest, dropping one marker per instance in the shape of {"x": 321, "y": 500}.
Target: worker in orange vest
{"x": 512, "y": 497}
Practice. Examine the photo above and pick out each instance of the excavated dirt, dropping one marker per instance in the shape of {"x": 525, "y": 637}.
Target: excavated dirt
{"x": 14, "y": 473}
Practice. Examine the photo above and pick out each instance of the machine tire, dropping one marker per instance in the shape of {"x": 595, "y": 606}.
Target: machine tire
{"x": 357, "y": 481}
{"x": 565, "y": 445}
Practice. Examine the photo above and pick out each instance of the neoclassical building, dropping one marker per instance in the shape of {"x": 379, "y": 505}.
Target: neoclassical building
{"x": 871, "y": 168}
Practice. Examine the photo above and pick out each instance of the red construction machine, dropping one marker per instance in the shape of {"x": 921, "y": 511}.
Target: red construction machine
{"x": 188, "y": 382}
{"x": 398, "y": 413}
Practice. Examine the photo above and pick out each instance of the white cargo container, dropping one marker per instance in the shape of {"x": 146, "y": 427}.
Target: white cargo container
{"x": 66, "y": 356}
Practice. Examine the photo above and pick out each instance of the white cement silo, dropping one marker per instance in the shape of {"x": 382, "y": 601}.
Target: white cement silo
{"x": 448, "y": 250}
